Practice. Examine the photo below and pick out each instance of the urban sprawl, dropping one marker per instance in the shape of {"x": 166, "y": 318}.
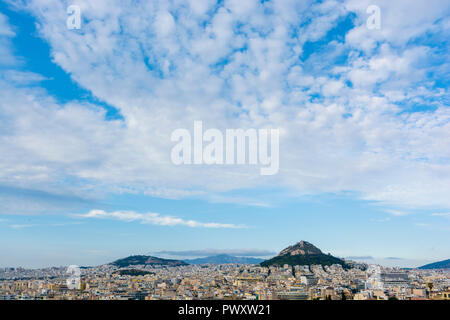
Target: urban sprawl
{"x": 227, "y": 282}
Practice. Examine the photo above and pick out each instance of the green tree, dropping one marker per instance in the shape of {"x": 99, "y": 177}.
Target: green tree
{"x": 430, "y": 287}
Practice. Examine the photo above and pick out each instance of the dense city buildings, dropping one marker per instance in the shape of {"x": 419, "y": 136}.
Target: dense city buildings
{"x": 226, "y": 282}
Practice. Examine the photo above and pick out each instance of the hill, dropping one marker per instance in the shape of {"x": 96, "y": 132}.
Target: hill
{"x": 147, "y": 261}
{"x": 132, "y": 272}
{"x": 444, "y": 264}
{"x": 224, "y": 259}
{"x": 303, "y": 253}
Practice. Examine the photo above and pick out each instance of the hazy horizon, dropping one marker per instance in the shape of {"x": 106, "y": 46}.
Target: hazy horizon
{"x": 383, "y": 261}
{"x": 146, "y": 126}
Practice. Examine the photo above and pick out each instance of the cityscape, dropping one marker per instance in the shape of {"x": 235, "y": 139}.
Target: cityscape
{"x": 175, "y": 280}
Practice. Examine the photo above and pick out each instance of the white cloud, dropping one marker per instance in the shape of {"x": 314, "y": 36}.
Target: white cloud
{"x": 21, "y": 226}
{"x": 398, "y": 213}
{"x": 236, "y": 68}
{"x": 22, "y": 77}
{"x": 212, "y": 252}
{"x": 154, "y": 218}
{"x": 422, "y": 225}
{"x": 7, "y": 57}
{"x": 401, "y": 21}
{"x": 381, "y": 220}
{"x": 441, "y": 214}
{"x": 164, "y": 24}
{"x": 5, "y": 28}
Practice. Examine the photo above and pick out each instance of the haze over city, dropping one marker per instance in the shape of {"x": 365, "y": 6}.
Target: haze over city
{"x": 90, "y": 98}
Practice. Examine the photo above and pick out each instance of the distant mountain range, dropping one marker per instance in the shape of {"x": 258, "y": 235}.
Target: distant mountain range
{"x": 146, "y": 260}
{"x": 224, "y": 259}
{"x": 303, "y": 253}
{"x": 154, "y": 261}
{"x": 444, "y": 264}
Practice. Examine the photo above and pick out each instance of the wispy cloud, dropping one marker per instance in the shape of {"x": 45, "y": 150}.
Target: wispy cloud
{"x": 422, "y": 225}
{"x": 433, "y": 227}
{"x": 22, "y": 77}
{"x": 239, "y": 201}
{"x": 359, "y": 257}
{"x": 26, "y": 201}
{"x": 441, "y": 214}
{"x": 212, "y": 252}
{"x": 398, "y": 213}
{"x": 62, "y": 224}
{"x": 348, "y": 96}
{"x": 381, "y": 220}
{"x": 155, "y": 218}
{"x": 21, "y": 226}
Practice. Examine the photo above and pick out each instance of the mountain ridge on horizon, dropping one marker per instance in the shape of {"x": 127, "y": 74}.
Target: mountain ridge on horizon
{"x": 146, "y": 260}
{"x": 224, "y": 259}
{"x": 443, "y": 264}
{"x": 301, "y": 253}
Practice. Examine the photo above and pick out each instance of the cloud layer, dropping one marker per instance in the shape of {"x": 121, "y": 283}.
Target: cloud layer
{"x": 154, "y": 218}
{"x": 360, "y": 110}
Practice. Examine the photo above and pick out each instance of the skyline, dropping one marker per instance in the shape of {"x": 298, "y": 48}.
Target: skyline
{"x": 87, "y": 115}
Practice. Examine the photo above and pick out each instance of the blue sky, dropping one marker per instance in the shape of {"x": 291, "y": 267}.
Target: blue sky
{"x": 86, "y": 118}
